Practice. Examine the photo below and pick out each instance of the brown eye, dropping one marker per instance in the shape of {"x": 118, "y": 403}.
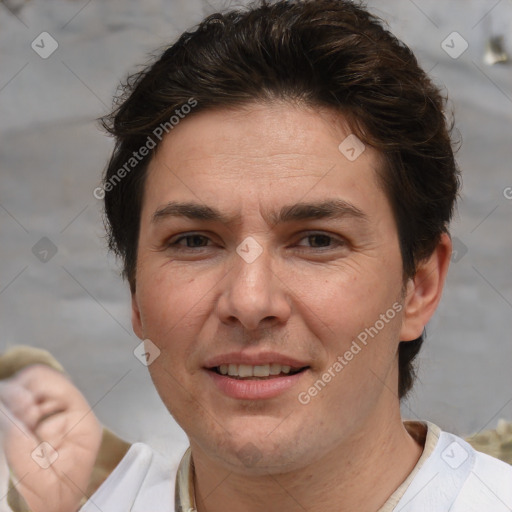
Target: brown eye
{"x": 191, "y": 241}
{"x": 321, "y": 240}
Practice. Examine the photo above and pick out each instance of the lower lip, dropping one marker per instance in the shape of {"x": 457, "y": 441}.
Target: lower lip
{"x": 254, "y": 389}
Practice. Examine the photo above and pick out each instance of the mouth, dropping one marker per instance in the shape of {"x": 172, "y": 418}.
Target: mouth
{"x": 256, "y": 372}
{"x": 256, "y": 382}
{"x": 256, "y": 376}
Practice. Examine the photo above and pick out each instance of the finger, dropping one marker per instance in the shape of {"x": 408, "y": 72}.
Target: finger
{"x": 22, "y": 405}
{"x": 9, "y": 419}
{"x": 10, "y": 423}
{"x": 48, "y": 386}
{"x": 44, "y": 387}
{"x": 43, "y": 382}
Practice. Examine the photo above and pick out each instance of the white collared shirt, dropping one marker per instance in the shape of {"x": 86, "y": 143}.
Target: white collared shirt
{"x": 449, "y": 476}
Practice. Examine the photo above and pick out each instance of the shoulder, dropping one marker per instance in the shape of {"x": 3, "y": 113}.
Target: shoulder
{"x": 487, "y": 487}
{"x": 480, "y": 483}
{"x": 456, "y": 477}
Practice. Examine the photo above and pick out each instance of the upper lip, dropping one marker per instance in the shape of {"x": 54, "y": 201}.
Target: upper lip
{"x": 254, "y": 359}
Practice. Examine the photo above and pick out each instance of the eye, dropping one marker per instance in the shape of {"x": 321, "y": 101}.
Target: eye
{"x": 318, "y": 241}
{"x": 192, "y": 241}
{"x": 322, "y": 240}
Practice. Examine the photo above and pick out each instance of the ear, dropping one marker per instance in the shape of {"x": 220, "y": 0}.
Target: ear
{"x": 424, "y": 290}
{"x": 136, "y": 318}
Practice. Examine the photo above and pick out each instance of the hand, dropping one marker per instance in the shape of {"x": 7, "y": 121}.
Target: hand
{"x": 40, "y": 404}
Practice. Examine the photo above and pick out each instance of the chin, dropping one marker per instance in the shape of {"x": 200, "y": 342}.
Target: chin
{"x": 260, "y": 451}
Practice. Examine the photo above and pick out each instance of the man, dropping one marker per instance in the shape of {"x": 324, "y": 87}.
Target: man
{"x": 279, "y": 193}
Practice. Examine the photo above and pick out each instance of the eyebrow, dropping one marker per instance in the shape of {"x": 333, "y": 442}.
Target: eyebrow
{"x": 328, "y": 209}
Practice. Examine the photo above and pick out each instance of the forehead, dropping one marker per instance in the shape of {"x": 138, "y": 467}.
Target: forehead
{"x": 263, "y": 153}
{"x": 255, "y": 130}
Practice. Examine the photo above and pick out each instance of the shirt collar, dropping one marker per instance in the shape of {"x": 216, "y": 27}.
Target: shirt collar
{"x": 425, "y": 432}
{"x": 184, "y": 494}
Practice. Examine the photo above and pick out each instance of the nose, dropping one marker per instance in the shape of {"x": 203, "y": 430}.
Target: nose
{"x": 253, "y": 295}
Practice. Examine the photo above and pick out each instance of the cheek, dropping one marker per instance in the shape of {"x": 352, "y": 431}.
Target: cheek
{"x": 170, "y": 308}
{"x": 177, "y": 392}
{"x": 347, "y": 308}
{"x": 174, "y": 308}
{"x": 343, "y": 301}
{"x": 166, "y": 300}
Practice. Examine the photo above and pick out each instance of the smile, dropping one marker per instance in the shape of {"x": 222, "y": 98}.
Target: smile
{"x": 263, "y": 371}
{"x": 255, "y": 382}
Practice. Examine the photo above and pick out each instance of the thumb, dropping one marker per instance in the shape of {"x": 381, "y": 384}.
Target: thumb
{"x": 9, "y": 422}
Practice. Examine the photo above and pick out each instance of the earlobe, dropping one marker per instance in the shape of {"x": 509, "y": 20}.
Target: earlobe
{"x": 424, "y": 290}
{"x": 136, "y": 318}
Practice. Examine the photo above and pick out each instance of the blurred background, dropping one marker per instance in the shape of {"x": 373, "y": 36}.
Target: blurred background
{"x": 59, "y": 289}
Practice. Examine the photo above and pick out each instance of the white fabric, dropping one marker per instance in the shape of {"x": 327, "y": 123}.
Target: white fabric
{"x": 143, "y": 481}
{"x": 455, "y": 478}
{"x": 4, "y": 481}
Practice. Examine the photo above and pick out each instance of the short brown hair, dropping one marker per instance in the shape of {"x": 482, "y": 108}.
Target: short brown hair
{"x": 322, "y": 53}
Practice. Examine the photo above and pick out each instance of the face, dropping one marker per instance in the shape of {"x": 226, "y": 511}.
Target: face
{"x": 266, "y": 253}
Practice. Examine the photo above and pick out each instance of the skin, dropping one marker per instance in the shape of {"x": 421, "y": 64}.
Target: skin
{"x": 307, "y": 297}
{"x": 40, "y": 404}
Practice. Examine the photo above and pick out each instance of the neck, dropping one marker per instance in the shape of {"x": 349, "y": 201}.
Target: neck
{"x": 359, "y": 474}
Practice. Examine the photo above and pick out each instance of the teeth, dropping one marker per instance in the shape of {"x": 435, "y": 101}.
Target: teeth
{"x": 246, "y": 370}
{"x": 275, "y": 369}
{"x": 261, "y": 371}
